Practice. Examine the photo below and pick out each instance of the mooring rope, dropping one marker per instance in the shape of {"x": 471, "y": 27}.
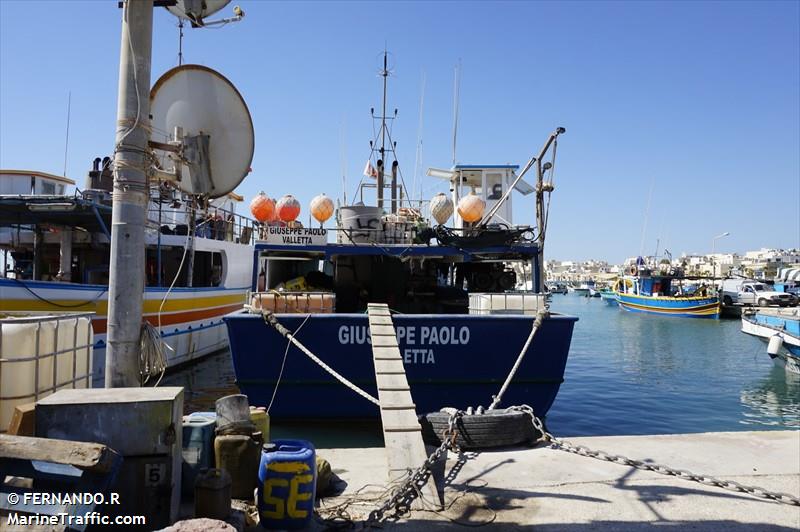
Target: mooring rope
{"x": 540, "y": 316}
{"x": 271, "y": 320}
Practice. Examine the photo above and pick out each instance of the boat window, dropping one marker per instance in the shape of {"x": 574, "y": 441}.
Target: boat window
{"x": 47, "y": 187}
{"x": 294, "y": 273}
{"x": 206, "y": 269}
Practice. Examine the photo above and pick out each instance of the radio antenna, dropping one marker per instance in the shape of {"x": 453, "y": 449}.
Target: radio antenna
{"x": 66, "y": 140}
{"x": 456, "y": 90}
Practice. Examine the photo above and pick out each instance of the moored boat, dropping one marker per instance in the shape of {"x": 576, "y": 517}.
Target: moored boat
{"x": 780, "y": 328}
{"x": 584, "y": 288}
{"x": 556, "y": 288}
{"x": 460, "y": 324}
{"x": 56, "y": 245}
{"x": 644, "y": 290}
{"x": 609, "y": 296}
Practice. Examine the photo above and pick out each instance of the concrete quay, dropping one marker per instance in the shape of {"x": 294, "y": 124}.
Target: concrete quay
{"x": 544, "y": 489}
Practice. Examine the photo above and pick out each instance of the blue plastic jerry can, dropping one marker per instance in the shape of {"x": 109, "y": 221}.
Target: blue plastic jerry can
{"x": 287, "y": 481}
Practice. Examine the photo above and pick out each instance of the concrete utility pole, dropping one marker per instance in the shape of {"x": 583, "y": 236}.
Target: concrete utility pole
{"x": 130, "y": 196}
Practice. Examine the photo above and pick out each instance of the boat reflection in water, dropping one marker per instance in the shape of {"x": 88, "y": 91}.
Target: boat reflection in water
{"x": 773, "y": 400}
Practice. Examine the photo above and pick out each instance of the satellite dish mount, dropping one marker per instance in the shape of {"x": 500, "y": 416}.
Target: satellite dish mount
{"x": 196, "y": 12}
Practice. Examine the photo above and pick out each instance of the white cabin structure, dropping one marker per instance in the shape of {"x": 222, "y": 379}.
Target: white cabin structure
{"x": 489, "y": 182}
{"x": 31, "y": 182}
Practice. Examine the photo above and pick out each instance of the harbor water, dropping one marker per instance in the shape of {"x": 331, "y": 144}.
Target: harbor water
{"x": 627, "y": 374}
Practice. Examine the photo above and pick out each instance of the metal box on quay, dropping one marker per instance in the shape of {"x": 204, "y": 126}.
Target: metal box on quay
{"x": 141, "y": 424}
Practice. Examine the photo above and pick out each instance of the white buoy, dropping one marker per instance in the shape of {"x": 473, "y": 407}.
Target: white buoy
{"x": 441, "y": 208}
{"x": 774, "y": 345}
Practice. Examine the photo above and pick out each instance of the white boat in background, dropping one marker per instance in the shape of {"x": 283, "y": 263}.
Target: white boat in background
{"x": 584, "y": 288}
{"x": 55, "y": 244}
{"x": 780, "y": 328}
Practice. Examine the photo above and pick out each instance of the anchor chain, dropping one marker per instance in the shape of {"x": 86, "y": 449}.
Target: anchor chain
{"x": 411, "y": 488}
{"x": 730, "y": 485}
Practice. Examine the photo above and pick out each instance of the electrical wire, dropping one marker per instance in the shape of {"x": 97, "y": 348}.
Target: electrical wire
{"x": 189, "y": 235}
{"x": 61, "y": 305}
{"x": 283, "y": 364}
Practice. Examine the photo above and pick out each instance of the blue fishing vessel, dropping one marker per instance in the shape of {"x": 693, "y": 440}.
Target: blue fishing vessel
{"x": 780, "y": 328}
{"x": 659, "y": 292}
{"x": 608, "y": 296}
{"x": 454, "y": 353}
{"x": 459, "y": 320}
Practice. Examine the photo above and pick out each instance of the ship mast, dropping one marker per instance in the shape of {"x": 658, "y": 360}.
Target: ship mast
{"x": 384, "y": 150}
{"x": 381, "y": 160}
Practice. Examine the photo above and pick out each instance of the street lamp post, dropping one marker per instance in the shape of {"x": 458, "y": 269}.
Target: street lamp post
{"x": 713, "y": 261}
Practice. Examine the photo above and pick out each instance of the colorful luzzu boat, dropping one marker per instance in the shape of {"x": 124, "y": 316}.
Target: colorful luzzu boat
{"x": 658, "y": 294}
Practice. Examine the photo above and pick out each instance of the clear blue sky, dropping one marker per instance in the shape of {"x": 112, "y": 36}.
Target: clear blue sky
{"x": 700, "y": 98}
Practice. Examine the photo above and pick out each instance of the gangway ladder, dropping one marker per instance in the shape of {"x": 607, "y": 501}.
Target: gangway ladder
{"x": 402, "y": 433}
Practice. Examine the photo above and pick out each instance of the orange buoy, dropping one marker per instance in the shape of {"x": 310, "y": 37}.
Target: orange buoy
{"x": 288, "y": 208}
{"x": 471, "y": 207}
{"x": 321, "y": 208}
{"x": 274, "y": 217}
{"x": 262, "y": 208}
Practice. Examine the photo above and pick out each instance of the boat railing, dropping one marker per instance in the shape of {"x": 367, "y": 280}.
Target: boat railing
{"x": 217, "y": 224}
{"x": 40, "y": 354}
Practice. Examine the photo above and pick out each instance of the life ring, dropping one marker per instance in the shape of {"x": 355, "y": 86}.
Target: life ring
{"x": 633, "y": 270}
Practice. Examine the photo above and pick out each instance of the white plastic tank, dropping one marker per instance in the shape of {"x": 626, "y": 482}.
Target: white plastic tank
{"x": 506, "y": 303}
{"x": 360, "y": 224}
{"x": 42, "y": 354}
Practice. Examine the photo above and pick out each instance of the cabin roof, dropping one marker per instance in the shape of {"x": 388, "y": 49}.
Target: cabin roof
{"x": 486, "y": 167}
{"x": 36, "y": 173}
{"x": 66, "y": 211}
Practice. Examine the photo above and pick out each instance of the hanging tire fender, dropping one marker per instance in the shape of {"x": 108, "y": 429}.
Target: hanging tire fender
{"x": 490, "y": 429}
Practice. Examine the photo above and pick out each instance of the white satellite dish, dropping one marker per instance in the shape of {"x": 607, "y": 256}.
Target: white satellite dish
{"x": 213, "y": 124}
{"x": 196, "y": 10}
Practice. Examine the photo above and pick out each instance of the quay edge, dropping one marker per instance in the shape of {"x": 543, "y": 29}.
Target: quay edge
{"x": 545, "y": 489}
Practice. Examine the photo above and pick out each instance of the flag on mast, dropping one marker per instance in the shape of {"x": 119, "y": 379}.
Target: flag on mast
{"x": 370, "y": 170}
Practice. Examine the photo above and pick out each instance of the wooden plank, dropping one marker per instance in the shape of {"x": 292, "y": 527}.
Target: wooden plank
{"x": 87, "y": 456}
{"x": 385, "y": 332}
{"x": 381, "y": 320}
{"x": 394, "y": 397}
{"x": 400, "y": 418}
{"x": 411, "y": 406}
{"x": 402, "y": 432}
{"x": 389, "y": 382}
{"x": 382, "y": 352}
{"x": 386, "y": 366}
{"x": 381, "y": 330}
{"x": 385, "y": 341}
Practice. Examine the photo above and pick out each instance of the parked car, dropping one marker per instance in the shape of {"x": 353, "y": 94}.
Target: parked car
{"x": 750, "y": 292}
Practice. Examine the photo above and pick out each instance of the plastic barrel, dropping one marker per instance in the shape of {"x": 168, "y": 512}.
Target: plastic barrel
{"x": 260, "y": 418}
{"x": 197, "y": 448}
{"x": 287, "y": 479}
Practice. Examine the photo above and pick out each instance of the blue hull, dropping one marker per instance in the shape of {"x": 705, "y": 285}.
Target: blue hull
{"x": 683, "y": 307}
{"x": 450, "y": 360}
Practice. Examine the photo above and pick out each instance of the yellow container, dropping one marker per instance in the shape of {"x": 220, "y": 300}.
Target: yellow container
{"x": 260, "y": 418}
